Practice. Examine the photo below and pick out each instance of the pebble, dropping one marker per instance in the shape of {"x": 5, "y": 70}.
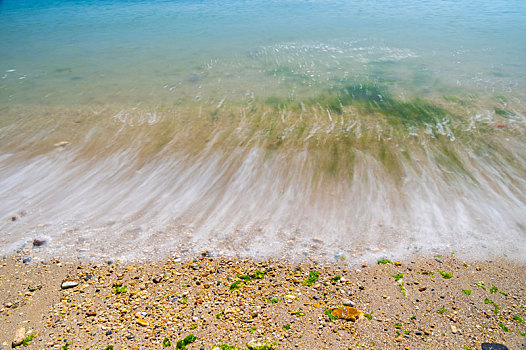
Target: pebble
{"x": 68, "y": 284}
{"x": 142, "y": 322}
{"x": 20, "y": 335}
{"x": 348, "y": 302}
{"x": 157, "y": 279}
{"x": 454, "y": 329}
{"x": 26, "y": 260}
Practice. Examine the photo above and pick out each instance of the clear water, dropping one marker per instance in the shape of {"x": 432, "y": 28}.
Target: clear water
{"x": 205, "y": 123}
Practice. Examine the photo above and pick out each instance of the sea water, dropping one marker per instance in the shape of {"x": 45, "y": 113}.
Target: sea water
{"x": 133, "y": 129}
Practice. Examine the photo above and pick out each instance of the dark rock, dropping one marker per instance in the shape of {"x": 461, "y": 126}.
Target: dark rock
{"x": 14, "y": 217}
{"x": 157, "y": 279}
{"x": 493, "y": 346}
{"x": 91, "y": 313}
{"x": 88, "y": 277}
{"x": 26, "y": 260}
{"x": 315, "y": 297}
{"x": 37, "y": 242}
{"x": 109, "y": 332}
{"x": 438, "y": 261}
{"x": 130, "y": 337}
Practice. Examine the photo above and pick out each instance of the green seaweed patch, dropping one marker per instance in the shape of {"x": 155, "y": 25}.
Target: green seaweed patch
{"x": 442, "y": 310}
{"x": 223, "y": 347}
{"x": 502, "y": 112}
{"x": 286, "y": 327}
{"x": 313, "y": 277}
{"x": 336, "y": 278}
{"x": 328, "y": 312}
{"x": 384, "y": 261}
{"x": 181, "y": 344}
{"x": 119, "y": 289}
{"x": 493, "y": 289}
{"x": 66, "y": 346}
{"x": 368, "y": 316}
{"x": 503, "y": 326}
{"x": 479, "y": 284}
{"x": 236, "y": 285}
{"x": 446, "y": 275}
{"x": 489, "y": 301}
{"x": 398, "y": 326}
{"x": 518, "y": 319}
{"x": 166, "y": 343}
{"x": 466, "y": 291}
{"x": 26, "y": 341}
{"x": 219, "y": 315}
{"x": 109, "y": 347}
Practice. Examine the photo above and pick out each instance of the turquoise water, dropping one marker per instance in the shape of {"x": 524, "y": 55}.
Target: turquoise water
{"x": 137, "y": 129}
{"x": 78, "y": 52}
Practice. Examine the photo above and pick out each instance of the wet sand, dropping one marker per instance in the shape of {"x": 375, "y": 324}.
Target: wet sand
{"x": 449, "y": 303}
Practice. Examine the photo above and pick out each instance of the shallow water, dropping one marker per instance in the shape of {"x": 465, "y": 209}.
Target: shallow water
{"x": 252, "y": 128}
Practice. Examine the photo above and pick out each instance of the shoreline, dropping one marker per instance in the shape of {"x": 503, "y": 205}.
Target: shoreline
{"x": 231, "y": 301}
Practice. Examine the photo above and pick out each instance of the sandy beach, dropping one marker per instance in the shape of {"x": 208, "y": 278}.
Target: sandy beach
{"x": 438, "y": 302}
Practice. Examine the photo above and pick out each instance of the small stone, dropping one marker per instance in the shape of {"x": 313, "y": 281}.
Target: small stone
{"x": 109, "y": 332}
{"x": 398, "y": 263}
{"x": 157, "y": 279}
{"x": 68, "y": 284}
{"x": 454, "y": 329}
{"x": 142, "y": 322}
{"x": 399, "y": 340}
{"x": 421, "y": 289}
{"x": 37, "y": 242}
{"x": 91, "y": 313}
{"x": 427, "y": 332}
{"x": 20, "y": 335}
{"x": 26, "y": 260}
{"x": 348, "y": 302}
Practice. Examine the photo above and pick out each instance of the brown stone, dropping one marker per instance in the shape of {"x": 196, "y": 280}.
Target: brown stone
{"x": 347, "y": 313}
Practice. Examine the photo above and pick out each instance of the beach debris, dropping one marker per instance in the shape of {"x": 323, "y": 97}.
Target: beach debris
{"x": 37, "y": 242}
{"x": 62, "y": 144}
{"x": 68, "y": 284}
{"x": 20, "y": 335}
{"x": 501, "y": 125}
{"x": 347, "y": 313}
{"x": 14, "y": 217}
{"x": 26, "y": 260}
